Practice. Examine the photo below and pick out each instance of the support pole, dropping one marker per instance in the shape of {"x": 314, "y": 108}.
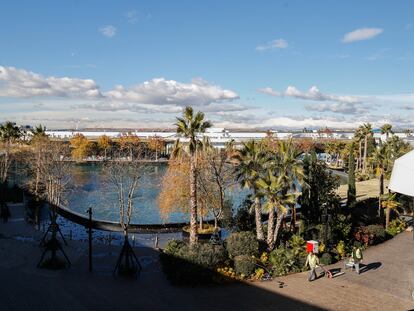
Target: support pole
{"x": 90, "y": 237}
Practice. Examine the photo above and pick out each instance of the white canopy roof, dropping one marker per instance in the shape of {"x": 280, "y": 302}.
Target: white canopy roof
{"x": 402, "y": 177}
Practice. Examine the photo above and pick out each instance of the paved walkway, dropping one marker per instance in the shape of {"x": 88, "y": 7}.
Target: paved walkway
{"x": 388, "y": 285}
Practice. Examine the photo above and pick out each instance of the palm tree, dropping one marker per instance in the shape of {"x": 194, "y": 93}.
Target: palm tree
{"x": 272, "y": 188}
{"x": 408, "y": 132}
{"x": 250, "y": 165}
{"x": 9, "y": 133}
{"x": 387, "y": 130}
{"x": 39, "y": 131}
{"x": 381, "y": 160}
{"x": 358, "y": 138}
{"x": 189, "y": 126}
{"x": 290, "y": 170}
{"x": 39, "y": 142}
{"x": 366, "y": 132}
{"x": 389, "y": 202}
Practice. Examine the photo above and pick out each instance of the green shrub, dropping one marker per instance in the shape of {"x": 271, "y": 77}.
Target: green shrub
{"x": 185, "y": 265}
{"x": 341, "y": 250}
{"x": 326, "y": 259}
{"x": 244, "y": 219}
{"x": 244, "y": 264}
{"x": 297, "y": 244}
{"x": 173, "y": 247}
{"x": 396, "y": 226}
{"x": 370, "y": 235}
{"x": 377, "y": 230}
{"x": 242, "y": 243}
{"x": 284, "y": 261}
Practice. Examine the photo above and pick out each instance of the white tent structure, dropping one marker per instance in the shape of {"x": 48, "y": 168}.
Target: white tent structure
{"x": 402, "y": 176}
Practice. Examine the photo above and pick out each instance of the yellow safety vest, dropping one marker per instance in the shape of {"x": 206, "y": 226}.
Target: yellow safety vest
{"x": 313, "y": 261}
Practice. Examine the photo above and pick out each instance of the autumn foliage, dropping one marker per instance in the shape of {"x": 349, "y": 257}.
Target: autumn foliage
{"x": 81, "y": 147}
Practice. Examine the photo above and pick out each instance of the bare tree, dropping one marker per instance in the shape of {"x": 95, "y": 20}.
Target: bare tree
{"x": 54, "y": 178}
{"x": 123, "y": 178}
{"x": 215, "y": 177}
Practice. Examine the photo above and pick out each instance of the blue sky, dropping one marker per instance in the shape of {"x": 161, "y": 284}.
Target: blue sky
{"x": 270, "y": 64}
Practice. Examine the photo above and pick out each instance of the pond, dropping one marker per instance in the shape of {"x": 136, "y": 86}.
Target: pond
{"x": 90, "y": 189}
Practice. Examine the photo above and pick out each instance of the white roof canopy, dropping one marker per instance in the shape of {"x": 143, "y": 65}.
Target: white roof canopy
{"x": 402, "y": 177}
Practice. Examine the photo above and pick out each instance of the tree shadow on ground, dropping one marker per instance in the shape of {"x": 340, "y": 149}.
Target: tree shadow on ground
{"x": 213, "y": 291}
{"x": 151, "y": 291}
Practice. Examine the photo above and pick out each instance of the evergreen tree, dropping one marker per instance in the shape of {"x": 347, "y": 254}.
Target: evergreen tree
{"x": 351, "y": 200}
{"x": 318, "y": 193}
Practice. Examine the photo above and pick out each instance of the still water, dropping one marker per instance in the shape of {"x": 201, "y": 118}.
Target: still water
{"x": 90, "y": 189}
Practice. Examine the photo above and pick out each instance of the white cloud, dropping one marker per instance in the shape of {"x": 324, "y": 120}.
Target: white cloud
{"x": 132, "y": 16}
{"x": 312, "y": 94}
{"x": 361, "y": 34}
{"x": 340, "y": 104}
{"x": 344, "y": 108}
{"x": 407, "y": 107}
{"x": 108, "y": 31}
{"x": 22, "y": 83}
{"x": 274, "y": 44}
{"x": 170, "y": 92}
{"x": 269, "y": 91}
{"x": 156, "y": 95}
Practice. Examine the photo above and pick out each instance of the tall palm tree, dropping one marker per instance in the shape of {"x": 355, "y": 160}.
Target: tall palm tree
{"x": 290, "y": 170}
{"x": 381, "y": 160}
{"x": 189, "y": 126}
{"x": 39, "y": 142}
{"x": 387, "y": 130}
{"x": 250, "y": 165}
{"x": 359, "y": 137}
{"x": 367, "y": 132}
{"x": 272, "y": 187}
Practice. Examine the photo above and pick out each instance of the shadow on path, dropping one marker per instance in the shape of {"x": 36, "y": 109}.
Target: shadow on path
{"x": 371, "y": 266}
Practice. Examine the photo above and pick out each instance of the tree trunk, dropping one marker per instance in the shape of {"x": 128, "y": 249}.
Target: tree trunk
{"x": 278, "y": 227}
{"x": 201, "y": 216}
{"x": 364, "y": 170}
{"x": 258, "y": 217}
{"x": 193, "y": 201}
{"x": 36, "y": 191}
{"x": 387, "y": 217}
{"x": 360, "y": 155}
{"x": 270, "y": 229}
{"x": 293, "y": 220}
{"x": 381, "y": 192}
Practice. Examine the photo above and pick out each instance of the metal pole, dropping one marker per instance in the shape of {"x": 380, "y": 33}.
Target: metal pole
{"x": 156, "y": 241}
{"x": 90, "y": 238}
